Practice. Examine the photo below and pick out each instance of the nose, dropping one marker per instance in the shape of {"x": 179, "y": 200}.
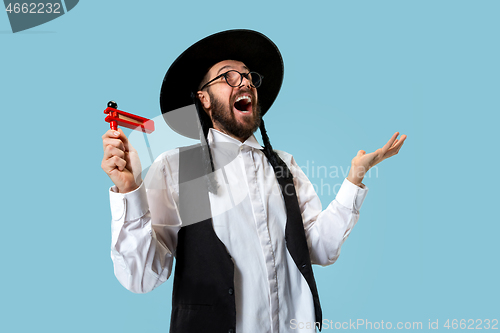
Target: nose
{"x": 246, "y": 82}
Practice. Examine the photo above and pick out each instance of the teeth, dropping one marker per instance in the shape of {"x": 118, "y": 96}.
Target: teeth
{"x": 244, "y": 97}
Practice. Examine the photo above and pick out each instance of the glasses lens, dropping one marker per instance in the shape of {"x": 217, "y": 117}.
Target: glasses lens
{"x": 255, "y": 78}
{"x": 233, "y": 78}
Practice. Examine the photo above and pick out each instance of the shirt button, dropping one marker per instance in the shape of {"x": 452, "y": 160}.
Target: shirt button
{"x": 231, "y": 291}
{"x": 230, "y": 331}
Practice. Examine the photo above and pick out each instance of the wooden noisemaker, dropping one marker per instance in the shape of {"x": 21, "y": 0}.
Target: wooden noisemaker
{"x": 117, "y": 118}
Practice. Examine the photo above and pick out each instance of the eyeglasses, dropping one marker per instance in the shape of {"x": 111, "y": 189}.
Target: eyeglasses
{"x": 235, "y": 78}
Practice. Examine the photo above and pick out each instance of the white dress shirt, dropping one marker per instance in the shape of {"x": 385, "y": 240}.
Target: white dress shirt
{"x": 249, "y": 217}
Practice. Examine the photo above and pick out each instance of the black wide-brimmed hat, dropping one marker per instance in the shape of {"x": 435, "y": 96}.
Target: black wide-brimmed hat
{"x": 183, "y": 77}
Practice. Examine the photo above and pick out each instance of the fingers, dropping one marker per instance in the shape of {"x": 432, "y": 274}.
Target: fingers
{"x": 115, "y": 151}
{"x": 396, "y": 146}
{"x": 111, "y": 150}
{"x": 112, "y": 163}
{"x": 389, "y": 143}
{"x": 118, "y": 134}
{"x": 111, "y": 134}
{"x": 114, "y": 138}
{"x": 124, "y": 139}
{"x": 394, "y": 143}
{"x": 398, "y": 142}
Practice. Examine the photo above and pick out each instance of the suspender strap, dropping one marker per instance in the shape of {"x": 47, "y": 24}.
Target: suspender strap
{"x": 295, "y": 236}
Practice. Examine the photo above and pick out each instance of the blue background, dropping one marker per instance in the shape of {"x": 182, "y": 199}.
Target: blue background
{"x": 426, "y": 245}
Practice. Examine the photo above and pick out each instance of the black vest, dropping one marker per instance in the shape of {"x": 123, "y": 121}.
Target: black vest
{"x": 203, "y": 293}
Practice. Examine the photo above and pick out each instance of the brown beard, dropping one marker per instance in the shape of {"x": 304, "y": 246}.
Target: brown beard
{"x": 227, "y": 121}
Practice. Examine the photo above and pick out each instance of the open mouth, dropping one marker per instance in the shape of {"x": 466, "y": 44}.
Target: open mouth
{"x": 243, "y": 104}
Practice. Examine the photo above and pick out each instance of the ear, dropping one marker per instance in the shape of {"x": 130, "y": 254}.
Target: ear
{"x": 205, "y": 100}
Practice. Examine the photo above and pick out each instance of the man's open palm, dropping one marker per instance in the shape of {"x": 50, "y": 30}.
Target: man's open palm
{"x": 364, "y": 162}
{"x": 391, "y": 148}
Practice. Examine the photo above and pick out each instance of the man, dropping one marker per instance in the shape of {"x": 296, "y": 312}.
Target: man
{"x": 242, "y": 221}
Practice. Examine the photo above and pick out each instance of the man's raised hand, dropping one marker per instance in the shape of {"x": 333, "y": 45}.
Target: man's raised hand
{"x": 121, "y": 161}
{"x": 363, "y": 161}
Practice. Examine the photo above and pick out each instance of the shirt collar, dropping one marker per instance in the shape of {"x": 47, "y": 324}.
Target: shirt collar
{"x": 216, "y": 136}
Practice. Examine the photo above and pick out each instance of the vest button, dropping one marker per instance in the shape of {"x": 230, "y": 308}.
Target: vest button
{"x": 230, "y": 331}
{"x": 231, "y": 291}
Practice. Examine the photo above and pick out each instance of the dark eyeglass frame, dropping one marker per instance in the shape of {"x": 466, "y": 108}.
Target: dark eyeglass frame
{"x": 241, "y": 79}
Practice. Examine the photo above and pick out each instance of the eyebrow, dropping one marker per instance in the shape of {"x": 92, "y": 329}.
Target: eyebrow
{"x": 229, "y": 66}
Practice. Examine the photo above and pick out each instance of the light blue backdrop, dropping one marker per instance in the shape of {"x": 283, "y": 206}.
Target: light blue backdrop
{"x": 426, "y": 246}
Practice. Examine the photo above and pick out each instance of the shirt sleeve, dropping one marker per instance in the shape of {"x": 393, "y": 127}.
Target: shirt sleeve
{"x": 144, "y": 230}
{"x": 326, "y": 230}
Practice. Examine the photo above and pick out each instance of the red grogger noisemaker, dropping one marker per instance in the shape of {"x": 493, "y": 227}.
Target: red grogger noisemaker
{"x": 117, "y": 117}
